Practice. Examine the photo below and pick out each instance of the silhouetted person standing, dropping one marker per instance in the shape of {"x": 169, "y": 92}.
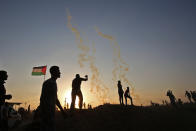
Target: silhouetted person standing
{"x": 188, "y": 95}
{"x": 76, "y": 91}
{"x": 120, "y": 92}
{"x": 171, "y": 97}
{"x": 127, "y": 95}
{"x": 3, "y": 97}
{"x": 49, "y": 100}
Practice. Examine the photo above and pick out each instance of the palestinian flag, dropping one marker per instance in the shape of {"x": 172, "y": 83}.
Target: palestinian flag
{"x": 37, "y": 71}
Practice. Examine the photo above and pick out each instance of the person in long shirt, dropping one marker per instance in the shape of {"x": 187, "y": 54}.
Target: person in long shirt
{"x": 76, "y": 91}
{"x": 49, "y": 100}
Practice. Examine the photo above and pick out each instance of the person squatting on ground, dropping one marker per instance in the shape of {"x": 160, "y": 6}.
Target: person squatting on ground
{"x": 3, "y": 97}
{"x": 76, "y": 90}
{"x": 127, "y": 95}
{"x": 120, "y": 92}
{"x": 49, "y": 100}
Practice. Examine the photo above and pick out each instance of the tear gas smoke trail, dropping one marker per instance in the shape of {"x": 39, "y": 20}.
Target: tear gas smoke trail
{"x": 120, "y": 66}
{"x": 100, "y": 89}
{"x": 85, "y": 49}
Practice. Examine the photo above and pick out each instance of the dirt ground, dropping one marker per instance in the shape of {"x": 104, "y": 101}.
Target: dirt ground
{"x": 120, "y": 118}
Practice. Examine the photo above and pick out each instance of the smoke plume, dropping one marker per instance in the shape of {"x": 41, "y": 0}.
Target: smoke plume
{"x": 121, "y": 68}
{"x": 82, "y": 57}
{"x": 97, "y": 85}
{"x": 119, "y": 71}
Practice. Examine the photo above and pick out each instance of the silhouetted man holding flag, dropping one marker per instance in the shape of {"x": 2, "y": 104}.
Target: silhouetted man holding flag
{"x": 76, "y": 91}
{"x": 49, "y": 100}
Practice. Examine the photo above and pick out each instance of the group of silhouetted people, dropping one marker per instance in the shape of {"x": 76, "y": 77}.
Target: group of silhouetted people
{"x": 89, "y": 106}
{"x": 190, "y": 95}
{"x": 49, "y": 98}
{"x": 126, "y": 94}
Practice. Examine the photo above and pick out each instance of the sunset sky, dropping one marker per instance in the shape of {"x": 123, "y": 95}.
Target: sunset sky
{"x": 156, "y": 38}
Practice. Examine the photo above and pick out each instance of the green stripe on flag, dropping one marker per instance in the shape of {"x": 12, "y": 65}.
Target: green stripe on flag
{"x": 37, "y": 73}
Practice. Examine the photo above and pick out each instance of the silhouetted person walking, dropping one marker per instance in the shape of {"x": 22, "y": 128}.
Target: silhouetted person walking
{"x": 120, "y": 92}
{"x": 188, "y": 95}
{"x": 3, "y": 97}
{"x": 76, "y": 91}
{"x": 127, "y": 95}
{"x": 171, "y": 97}
{"x": 49, "y": 100}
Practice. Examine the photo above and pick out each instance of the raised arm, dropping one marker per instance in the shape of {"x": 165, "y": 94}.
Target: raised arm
{"x": 84, "y": 79}
{"x": 8, "y": 97}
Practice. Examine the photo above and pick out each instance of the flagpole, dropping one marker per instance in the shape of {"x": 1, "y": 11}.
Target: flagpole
{"x": 45, "y": 73}
{"x": 44, "y": 77}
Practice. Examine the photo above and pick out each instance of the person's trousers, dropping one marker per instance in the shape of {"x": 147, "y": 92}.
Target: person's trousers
{"x": 129, "y": 98}
{"x": 75, "y": 93}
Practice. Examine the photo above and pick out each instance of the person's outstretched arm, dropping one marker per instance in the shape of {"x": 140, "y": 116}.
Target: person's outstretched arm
{"x": 84, "y": 79}
{"x": 8, "y": 97}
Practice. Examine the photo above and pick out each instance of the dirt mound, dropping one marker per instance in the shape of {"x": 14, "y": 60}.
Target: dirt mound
{"x": 133, "y": 118}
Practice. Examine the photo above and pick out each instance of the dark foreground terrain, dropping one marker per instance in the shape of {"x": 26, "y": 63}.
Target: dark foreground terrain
{"x": 115, "y": 117}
